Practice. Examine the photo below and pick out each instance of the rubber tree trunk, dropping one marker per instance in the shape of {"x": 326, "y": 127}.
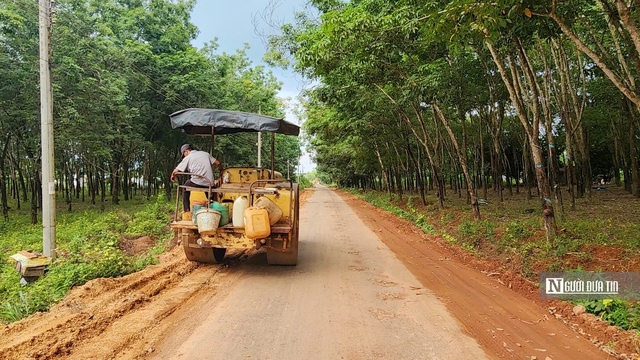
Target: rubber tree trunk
{"x": 569, "y": 171}
{"x": 3, "y": 184}
{"x": 514, "y": 87}
{"x": 115, "y": 183}
{"x": 383, "y": 169}
{"x": 633, "y": 152}
{"x": 463, "y": 162}
{"x": 36, "y": 192}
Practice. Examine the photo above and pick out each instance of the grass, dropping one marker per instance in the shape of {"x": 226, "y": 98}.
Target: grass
{"x": 89, "y": 246}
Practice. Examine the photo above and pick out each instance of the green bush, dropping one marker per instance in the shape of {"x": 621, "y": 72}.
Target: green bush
{"x": 304, "y": 182}
{"x": 381, "y": 200}
{"x": 563, "y": 244}
{"x": 515, "y": 232}
{"x": 151, "y": 220}
{"x": 448, "y": 217}
{"x": 424, "y": 224}
{"x": 620, "y": 313}
{"x": 473, "y": 230}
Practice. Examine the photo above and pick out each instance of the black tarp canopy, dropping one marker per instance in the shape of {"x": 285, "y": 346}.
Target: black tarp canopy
{"x": 201, "y": 121}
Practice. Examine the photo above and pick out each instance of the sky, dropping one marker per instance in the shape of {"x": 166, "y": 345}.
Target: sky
{"x": 235, "y": 23}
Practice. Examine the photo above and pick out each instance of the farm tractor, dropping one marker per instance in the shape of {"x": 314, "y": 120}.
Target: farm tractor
{"x": 253, "y": 207}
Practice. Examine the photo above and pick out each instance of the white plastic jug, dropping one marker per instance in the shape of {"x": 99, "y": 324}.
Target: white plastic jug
{"x": 275, "y": 213}
{"x": 239, "y": 206}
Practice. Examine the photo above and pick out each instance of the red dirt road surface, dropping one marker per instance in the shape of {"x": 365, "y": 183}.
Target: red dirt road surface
{"x": 367, "y": 286}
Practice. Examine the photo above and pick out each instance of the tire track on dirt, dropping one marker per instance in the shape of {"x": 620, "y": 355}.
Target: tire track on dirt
{"x": 106, "y": 315}
{"x": 348, "y": 298}
{"x": 115, "y": 318}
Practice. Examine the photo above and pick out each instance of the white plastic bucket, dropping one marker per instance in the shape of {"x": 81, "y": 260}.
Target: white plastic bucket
{"x": 208, "y": 220}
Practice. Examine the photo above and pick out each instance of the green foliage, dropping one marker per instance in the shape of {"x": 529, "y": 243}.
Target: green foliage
{"x": 620, "y": 313}
{"x": 600, "y": 231}
{"x": 304, "y": 182}
{"x": 476, "y": 229}
{"x": 382, "y": 201}
{"x": 424, "y": 224}
{"x": 449, "y": 238}
{"x": 14, "y": 311}
{"x": 382, "y": 66}
{"x": 90, "y": 246}
{"x": 472, "y": 233}
{"x": 563, "y": 244}
{"x": 447, "y": 217}
{"x": 515, "y": 232}
{"x": 151, "y": 220}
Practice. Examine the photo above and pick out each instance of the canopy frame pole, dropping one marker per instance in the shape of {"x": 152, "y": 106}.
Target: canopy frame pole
{"x": 273, "y": 155}
{"x": 213, "y": 140}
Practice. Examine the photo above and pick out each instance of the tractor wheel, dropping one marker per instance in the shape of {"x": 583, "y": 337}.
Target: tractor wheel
{"x": 198, "y": 254}
{"x": 201, "y": 255}
{"x": 218, "y": 253}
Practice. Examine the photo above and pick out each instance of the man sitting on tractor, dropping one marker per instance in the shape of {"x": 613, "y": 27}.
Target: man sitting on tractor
{"x": 198, "y": 163}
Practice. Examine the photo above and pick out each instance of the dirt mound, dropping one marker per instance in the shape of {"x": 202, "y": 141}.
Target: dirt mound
{"x": 137, "y": 246}
{"x": 105, "y": 317}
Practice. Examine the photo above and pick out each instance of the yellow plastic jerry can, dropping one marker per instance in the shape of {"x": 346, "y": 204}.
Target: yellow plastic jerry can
{"x": 256, "y": 223}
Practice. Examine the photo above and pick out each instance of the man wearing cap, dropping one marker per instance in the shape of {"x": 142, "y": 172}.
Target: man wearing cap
{"x": 198, "y": 163}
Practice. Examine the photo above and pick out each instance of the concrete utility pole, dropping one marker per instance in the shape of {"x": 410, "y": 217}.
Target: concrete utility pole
{"x": 46, "y": 131}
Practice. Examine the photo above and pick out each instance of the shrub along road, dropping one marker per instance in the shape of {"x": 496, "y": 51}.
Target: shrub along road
{"x": 349, "y": 297}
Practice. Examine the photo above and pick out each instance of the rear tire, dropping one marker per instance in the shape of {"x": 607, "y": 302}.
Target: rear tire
{"x": 198, "y": 254}
{"x": 201, "y": 255}
{"x": 290, "y": 257}
{"x": 218, "y": 253}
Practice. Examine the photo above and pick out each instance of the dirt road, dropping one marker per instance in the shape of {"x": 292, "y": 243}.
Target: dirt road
{"x": 352, "y": 296}
{"x": 349, "y": 298}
